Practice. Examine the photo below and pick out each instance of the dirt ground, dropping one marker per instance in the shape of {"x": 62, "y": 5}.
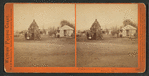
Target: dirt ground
{"x": 48, "y": 52}
{"x": 60, "y": 52}
{"x": 110, "y": 52}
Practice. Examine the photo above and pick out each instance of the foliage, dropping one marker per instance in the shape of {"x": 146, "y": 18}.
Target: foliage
{"x": 129, "y": 22}
{"x": 52, "y": 30}
{"x": 65, "y": 22}
{"x": 44, "y": 31}
{"x": 107, "y": 31}
{"x": 115, "y": 30}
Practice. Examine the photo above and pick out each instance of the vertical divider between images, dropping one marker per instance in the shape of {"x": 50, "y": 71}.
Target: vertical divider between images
{"x": 75, "y": 40}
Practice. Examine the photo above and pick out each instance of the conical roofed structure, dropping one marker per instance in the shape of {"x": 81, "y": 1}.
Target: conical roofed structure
{"x": 34, "y": 30}
{"x": 33, "y": 26}
{"x": 95, "y": 26}
{"x": 95, "y": 30}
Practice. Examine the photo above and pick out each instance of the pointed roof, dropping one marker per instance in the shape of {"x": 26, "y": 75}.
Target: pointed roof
{"x": 95, "y": 24}
{"x": 129, "y": 27}
{"x": 66, "y": 27}
{"x": 69, "y": 25}
{"x": 33, "y": 24}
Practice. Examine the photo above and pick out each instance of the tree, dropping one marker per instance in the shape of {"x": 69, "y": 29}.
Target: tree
{"x": 65, "y": 22}
{"x": 115, "y": 30}
{"x": 107, "y": 31}
{"x": 52, "y": 30}
{"x": 129, "y": 22}
{"x": 43, "y": 30}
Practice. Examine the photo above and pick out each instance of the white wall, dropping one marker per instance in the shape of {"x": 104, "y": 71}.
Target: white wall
{"x": 131, "y": 32}
{"x": 124, "y": 32}
{"x": 61, "y": 33}
{"x": 68, "y": 33}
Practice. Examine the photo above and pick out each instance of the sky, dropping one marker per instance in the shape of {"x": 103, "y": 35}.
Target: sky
{"x": 45, "y": 15}
{"x": 108, "y": 15}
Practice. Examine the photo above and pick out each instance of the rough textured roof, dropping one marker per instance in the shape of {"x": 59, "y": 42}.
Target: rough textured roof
{"x": 33, "y": 28}
{"x": 33, "y": 25}
{"x": 95, "y": 25}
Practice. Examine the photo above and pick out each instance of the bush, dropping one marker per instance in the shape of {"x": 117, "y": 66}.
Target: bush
{"x": 73, "y": 35}
{"x": 114, "y": 31}
{"x": 52, "y": 30}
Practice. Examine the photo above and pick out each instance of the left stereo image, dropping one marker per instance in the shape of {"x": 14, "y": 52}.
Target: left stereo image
{"x": 44, "y": 35}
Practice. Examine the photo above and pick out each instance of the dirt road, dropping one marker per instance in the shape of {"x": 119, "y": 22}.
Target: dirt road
{"x": 37, "y": 54}
{"x": 110, "y": 52}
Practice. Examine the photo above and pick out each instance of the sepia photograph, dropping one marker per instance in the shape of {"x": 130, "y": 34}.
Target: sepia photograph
{"x": 107, "y": 35}
{"x": 44, "y": 35}
{"x": 74, "y": 38}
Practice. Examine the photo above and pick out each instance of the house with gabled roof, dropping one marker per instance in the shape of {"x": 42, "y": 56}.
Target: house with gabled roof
{"x": 65, "y": 31}
{"x": 128, "y": 30}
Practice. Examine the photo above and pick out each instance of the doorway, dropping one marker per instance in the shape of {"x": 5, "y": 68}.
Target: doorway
{"x": 127, "y": 32}
{"x": 94, "y": 36}
{"x": 32, "y": 36}
{"x": 65, "y": 32}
